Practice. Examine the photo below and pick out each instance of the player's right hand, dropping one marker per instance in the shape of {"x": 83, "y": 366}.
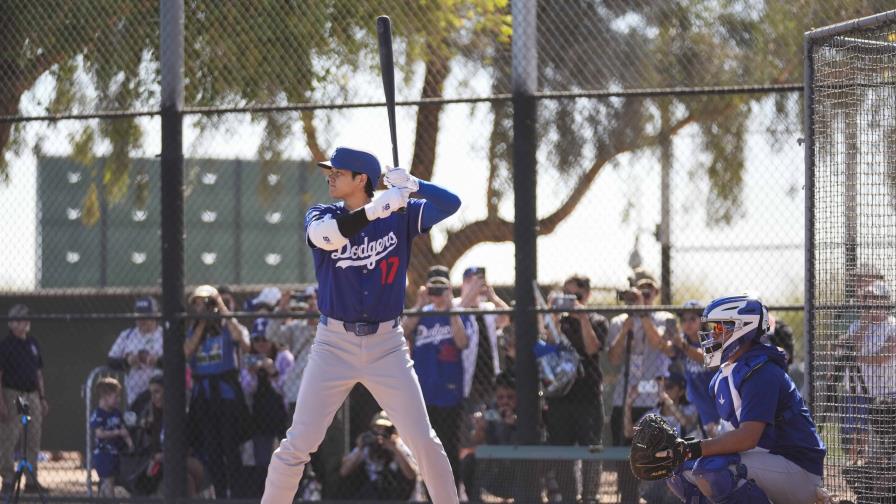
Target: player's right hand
{"x": 385, "y": 203}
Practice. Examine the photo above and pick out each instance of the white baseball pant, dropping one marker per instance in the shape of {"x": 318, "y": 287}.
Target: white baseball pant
{"x": 781, "y": 480}
{"x": 382, "y": 363}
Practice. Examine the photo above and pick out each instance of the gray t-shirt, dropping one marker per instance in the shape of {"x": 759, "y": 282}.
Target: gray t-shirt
{"x": 647, "y": 362}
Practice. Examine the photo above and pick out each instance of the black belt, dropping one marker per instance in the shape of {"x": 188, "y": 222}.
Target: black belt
{"x": 361, "y": 328}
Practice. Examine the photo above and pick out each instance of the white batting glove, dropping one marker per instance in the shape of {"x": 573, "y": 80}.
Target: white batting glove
{"x": 400, "y": 177}
{"x": 385, "y": 203}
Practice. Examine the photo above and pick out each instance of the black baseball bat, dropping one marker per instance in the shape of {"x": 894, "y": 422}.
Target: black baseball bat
{"x": 387, "y": 68}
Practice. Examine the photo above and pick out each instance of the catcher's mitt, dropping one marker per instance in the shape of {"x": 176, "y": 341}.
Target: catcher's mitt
{"x": 657, "y": 451}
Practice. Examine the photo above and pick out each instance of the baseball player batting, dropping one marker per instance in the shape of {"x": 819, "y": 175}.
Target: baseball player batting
{"x": 361, "y": 249}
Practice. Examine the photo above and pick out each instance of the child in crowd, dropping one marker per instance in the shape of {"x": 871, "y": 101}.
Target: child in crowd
{"x": 110, "y": 434}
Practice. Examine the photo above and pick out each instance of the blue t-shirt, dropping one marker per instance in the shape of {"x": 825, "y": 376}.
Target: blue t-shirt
{"x": 697, "y": 378}
{"x": 437, "y": 360}
{"x": 215, "y": 356}
{"x": 107, "y": 420}
{"x": 767, "y": 394}
{"x": 364, "y": 281}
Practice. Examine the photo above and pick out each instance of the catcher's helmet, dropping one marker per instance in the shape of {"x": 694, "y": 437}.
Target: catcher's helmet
{"x": 730, "y": 322}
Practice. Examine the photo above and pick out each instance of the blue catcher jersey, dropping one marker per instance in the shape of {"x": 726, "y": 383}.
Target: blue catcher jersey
{"x": 364, "y": 281}
{"x": 756, "y": 388}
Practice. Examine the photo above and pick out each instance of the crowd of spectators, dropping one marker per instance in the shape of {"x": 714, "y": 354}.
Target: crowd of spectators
{"x": 244, "y": 375}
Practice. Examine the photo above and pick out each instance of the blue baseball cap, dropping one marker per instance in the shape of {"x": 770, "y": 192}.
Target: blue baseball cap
{"x": 358, "y": 161}
{"x": 146, "y": 305}
{"x": 259, "y": 328}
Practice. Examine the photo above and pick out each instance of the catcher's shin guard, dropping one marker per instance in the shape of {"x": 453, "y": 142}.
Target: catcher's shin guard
{"x": 725, "y": 481}
{"x": 685, "y": 490}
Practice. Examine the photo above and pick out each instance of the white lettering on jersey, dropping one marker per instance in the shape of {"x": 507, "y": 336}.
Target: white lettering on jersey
{"x": 434, "y": 334}
{"x": 366, "y": 254}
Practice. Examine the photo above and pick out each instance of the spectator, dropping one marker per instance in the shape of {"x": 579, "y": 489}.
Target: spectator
{"x": 436, "y": 345}
{"x": 380, "y": 466}
{"x": 577, "y": 418}
{"x": 637, "y": 342}
{"x": 267, "y": 300}
{"x": 296, "y": 335}
{"x": 495, "y": 426}
{"x": 150, "y": 433}
{"x": 874, "y": 337}
{"x": 675, "y": 409}
{"x": 138, "y": 351}
{"x": 481, "y": 357}
{"x": 110, "y": 434}
{"x": 687, "y": 344}
{"x": 218, "y": 413}
{"x": 262, "y": 380}
{"x": 21, "y": 375}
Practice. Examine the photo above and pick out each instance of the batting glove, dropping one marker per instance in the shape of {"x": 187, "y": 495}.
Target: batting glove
{"x": 385, "y": 203}
{"x": 400, "y": 177}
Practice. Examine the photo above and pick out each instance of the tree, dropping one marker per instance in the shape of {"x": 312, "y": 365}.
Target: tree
{"x": 102, "y": 55}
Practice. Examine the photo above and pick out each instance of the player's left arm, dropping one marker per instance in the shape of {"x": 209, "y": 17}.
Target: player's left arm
{"x": 440, "y": 204}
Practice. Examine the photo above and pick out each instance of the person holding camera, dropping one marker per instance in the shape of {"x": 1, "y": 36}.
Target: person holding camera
{"x": 577, "y": 418}
{"x": 380, "y": 466}
{"x": 138, "y": 351}
{"x": 638, "y": 343}
{"x": 22, "y": 379}
{"x": 261, "y": 377}
{"x": 481, "y": 357}
{"x": 436, "y": 345}
{"x": 218, "y": 411}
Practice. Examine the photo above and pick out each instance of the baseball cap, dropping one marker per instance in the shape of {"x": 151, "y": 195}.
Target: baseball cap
{"x": 354, "y": 160}
{"x": 693, "y": 305}
{"x": 438, "y": 281}
{"x": 259, "y": 328}
{"x": 641, "y": 277}
{"x": 438, "y": 271}
{"x": 146, "y": 305}
{"x": 381, "y": 419}
{"x": 472, "y": 270}
{"x": 268, "y": 297}
{"x": 18, "y": 310}
{"x": 203, "y": 291}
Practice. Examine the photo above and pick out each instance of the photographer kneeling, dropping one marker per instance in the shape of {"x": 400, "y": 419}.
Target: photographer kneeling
{"x": 218, "y": 412}
{"x": 380, "y": 464}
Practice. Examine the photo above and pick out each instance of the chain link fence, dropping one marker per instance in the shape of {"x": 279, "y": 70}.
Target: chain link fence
{"x": 667, "y": 140}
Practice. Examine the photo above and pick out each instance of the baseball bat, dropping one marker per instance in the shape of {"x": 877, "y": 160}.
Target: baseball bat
{"x": 387, "y": 69}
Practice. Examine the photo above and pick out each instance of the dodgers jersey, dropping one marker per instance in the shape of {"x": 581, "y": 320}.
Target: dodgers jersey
{"x": 437, "y": 359}
{"x": 364, "y": 281}
{"x": 756, "y": 387}
{"x": 107, "y": 420}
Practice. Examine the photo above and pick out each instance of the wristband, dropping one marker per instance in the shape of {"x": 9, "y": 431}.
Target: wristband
{"x": 694, "y": 449}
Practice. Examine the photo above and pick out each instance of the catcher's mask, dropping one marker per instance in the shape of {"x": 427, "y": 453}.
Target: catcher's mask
{"x": 729, "y": 323}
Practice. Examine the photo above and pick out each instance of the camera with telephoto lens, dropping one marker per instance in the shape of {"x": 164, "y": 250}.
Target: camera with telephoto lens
{"x": 564, "y": 301}
{"x": 22, "y": 406}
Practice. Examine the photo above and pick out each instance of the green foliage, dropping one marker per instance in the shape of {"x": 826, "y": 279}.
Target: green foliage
{"x": 103, "y": 55}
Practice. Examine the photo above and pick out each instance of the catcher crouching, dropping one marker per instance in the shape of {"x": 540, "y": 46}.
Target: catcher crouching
{"x": 772, "y": 454}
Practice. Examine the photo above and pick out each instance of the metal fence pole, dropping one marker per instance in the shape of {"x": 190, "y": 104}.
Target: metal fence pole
{"x": 172, "y": 70}
{"x": 809, "y": 260}
{"x": 525, "y": 77}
